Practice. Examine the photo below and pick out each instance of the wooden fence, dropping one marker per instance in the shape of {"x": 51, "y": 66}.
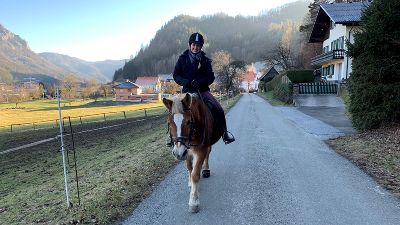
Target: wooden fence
{"x": 317, "y": 88}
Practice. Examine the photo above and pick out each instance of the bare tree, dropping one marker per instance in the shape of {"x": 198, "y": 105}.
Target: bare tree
{"x": 231, "y": 76}
{"x": 170, "y": 87}
{"x": 69, "y": 86}
{"x": 220, "y": 60}
{"x": 286, "y": 52}
{"x": 92, "y": 86}
{"x": 106, "y": 90}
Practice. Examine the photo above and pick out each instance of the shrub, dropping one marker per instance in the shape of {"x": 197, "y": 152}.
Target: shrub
{"x": 281, "y": 91}
{"x": 300, "y": 76}
{"x": 375, "y": 82}
{"x": 284, "y": 92}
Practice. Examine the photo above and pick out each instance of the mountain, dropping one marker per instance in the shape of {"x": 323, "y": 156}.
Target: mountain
{"x": 249, "y": 39}
{"x": 100, "y": 70}
{"x": 17, "y": 58}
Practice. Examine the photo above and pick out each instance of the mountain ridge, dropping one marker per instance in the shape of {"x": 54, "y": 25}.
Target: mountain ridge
{"x": 246, "y": 38}
{"x": 18, "y": 59}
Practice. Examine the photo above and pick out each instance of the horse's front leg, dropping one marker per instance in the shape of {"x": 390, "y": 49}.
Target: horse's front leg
{"x": 194, "y": 202}
{"x": 189, "y": 165}
{"x": 205, "y": 168}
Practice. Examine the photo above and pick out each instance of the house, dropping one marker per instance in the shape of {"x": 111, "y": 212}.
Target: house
{"x": 269, "y": 75}
{"x": 148, "y": 85}
{"x": 164, "y": 78}
{"x": 249, "y": 81}
{"x": 335, "y": 24}
{"x": 127, "y": 90}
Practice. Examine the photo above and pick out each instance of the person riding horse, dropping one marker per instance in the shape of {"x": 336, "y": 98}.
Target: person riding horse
{"x": 193, "y": 71}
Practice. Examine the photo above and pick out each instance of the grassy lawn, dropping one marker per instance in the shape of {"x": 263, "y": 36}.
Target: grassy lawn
{"x": 270, "y": 98}
{"x": 34, "y": 114}
{"x": 117, "y": 168}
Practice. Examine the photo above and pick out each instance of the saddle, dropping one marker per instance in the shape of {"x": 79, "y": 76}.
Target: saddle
{"x": 216, "y": 113}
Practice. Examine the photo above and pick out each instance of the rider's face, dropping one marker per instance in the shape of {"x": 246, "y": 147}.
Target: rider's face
{"x": 195, "y": 48}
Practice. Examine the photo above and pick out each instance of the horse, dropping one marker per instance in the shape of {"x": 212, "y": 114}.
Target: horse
{"x": 193, "y": 131}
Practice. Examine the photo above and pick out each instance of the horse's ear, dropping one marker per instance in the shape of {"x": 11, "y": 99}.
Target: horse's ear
{"x": 187, "y": 101}
{"x": 167, "y": 103}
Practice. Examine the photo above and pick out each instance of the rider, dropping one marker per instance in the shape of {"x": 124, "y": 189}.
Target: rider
{"x": 194, "y": 73}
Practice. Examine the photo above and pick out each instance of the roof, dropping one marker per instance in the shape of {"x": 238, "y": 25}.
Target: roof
{"x": 126, "y": 85}
{"x": 249, "y": 75}
{"x": 338, "y": 13}
{"x": 345, "y": 13}
{"x": 146, "y": 81}
{"x": 165, "y": 77}
{"x": 269, "y": 74}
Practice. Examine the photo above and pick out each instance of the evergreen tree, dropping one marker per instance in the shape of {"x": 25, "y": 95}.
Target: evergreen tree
{"x": 374, "y": 85}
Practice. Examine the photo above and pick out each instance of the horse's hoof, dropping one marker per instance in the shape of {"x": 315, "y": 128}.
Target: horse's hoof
{"x": 206, "y": 173}
{"x": 194, "y": 208}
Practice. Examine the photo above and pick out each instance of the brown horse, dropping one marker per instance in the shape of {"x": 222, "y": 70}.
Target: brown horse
{"x": 193, "y": 132}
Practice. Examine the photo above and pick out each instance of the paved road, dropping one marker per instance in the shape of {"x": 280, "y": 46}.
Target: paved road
{"x": 277, "y": 172}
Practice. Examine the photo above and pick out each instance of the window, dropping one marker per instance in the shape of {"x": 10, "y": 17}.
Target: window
{"x": 325, "y": 49}
{"x": 341, "y": 42}
{"x": 328, "y": 70}
{"x": 338, "y": 43}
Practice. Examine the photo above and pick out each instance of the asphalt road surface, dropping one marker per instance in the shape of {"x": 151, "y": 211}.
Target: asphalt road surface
{"x": 279, "y": 171}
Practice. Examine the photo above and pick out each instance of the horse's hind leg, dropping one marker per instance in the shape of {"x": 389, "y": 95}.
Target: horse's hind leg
{"x": 205, "y": 168}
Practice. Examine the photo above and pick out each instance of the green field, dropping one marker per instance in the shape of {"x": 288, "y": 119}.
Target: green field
{"x": 117, "y": 168}
{"x": 44, "y": 113}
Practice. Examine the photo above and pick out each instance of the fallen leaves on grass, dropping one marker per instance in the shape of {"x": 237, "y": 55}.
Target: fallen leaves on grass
{"x": 377, "y": 152}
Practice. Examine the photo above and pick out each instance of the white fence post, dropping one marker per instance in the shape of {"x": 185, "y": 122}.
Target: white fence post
{"x": 62, "y": 148}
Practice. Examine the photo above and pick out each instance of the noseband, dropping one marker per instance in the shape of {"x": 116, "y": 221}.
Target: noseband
{"x": 183, "y": 139}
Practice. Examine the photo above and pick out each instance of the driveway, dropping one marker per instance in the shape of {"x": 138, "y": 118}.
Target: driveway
{"x": 278, "y": 171}
{"x": 329, "y": 109}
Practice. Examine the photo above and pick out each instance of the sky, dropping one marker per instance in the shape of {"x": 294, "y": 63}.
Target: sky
{"x": 96, "y": 30}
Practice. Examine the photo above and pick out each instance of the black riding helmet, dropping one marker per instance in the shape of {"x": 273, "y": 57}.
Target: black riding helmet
{"x": 196, "y": 38}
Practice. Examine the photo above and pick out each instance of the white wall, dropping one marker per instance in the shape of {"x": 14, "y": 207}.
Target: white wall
{"x": 342, "y": 68}
{"x": 334, "y": 34}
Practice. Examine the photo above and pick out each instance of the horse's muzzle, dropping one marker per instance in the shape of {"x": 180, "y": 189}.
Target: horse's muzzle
{"x": 180, "y": 151}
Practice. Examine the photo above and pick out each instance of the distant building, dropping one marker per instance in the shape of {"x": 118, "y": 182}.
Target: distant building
{"x": 165, "y": 78}
{"x": 269, "y": 74}
{"x": 148, "y": 85}
{"x": 126, "y": 90}
{"x": 249, "y": 81}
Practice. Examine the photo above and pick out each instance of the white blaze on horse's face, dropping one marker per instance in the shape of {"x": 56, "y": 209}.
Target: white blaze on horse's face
{"x": 178, "y": 119}
{"x": 179, "y": 150}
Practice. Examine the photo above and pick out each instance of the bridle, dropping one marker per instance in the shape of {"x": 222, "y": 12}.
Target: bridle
{"x": 192, "y": 130}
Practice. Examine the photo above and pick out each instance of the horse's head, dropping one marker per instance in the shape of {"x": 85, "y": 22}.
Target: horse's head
{"x": 181, "y": 124}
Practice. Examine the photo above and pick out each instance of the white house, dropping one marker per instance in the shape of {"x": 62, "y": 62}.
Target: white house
{"x": 249, "y": 79}
{"x": 334, "y": 25}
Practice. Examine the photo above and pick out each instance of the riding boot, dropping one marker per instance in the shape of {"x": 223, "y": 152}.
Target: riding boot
{"x": 228, "y": 137}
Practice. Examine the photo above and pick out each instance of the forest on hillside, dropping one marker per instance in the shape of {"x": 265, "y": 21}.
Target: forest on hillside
{"x": 247, "y": 39}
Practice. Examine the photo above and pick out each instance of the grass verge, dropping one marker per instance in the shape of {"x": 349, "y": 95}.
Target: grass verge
{"x": 270, "y": 98}
{"x": 376, "y": 152}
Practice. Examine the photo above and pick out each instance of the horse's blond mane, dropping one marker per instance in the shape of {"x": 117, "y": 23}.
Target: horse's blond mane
{"x": 177, "y": 106}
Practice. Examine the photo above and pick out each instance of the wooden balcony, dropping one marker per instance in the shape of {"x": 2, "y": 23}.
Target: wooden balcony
{"x": 326, "y": 57}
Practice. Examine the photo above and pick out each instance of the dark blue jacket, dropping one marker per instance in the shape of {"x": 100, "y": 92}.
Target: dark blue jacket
{"x": 193, "y": 77}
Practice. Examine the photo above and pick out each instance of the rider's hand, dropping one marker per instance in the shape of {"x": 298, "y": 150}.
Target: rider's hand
{"x": 194, "y": 84}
